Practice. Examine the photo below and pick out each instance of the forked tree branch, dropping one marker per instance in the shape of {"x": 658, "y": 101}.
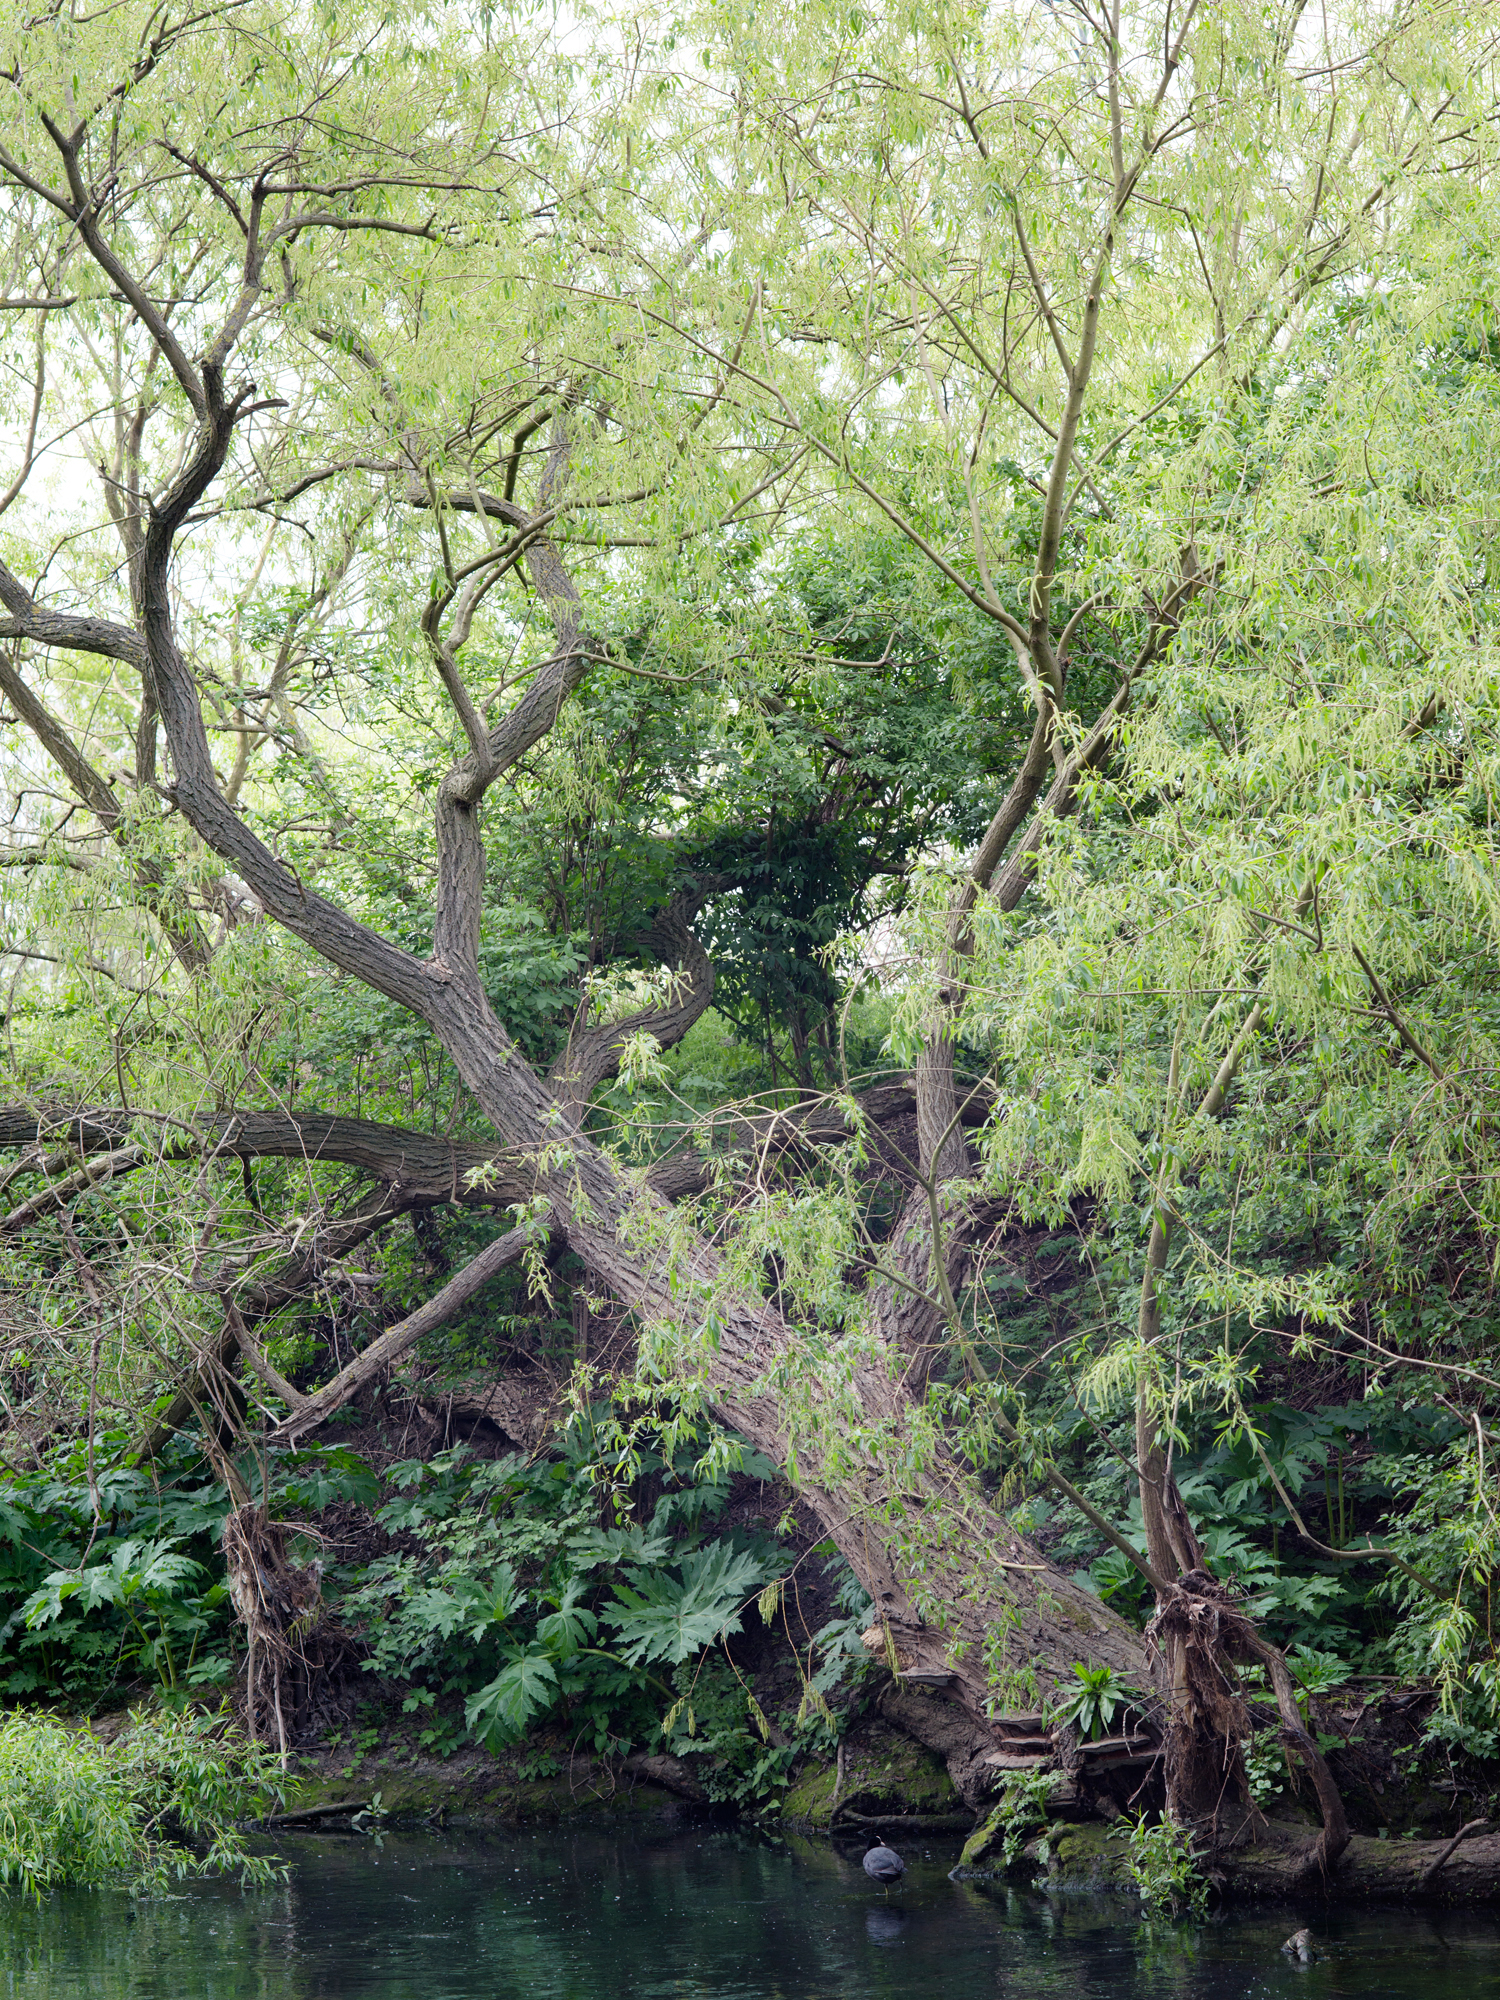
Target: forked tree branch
{"x": 387, "y": 1349}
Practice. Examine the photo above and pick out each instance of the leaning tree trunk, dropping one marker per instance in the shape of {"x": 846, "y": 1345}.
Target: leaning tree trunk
{"x": 956, "y": 1588}
{"x": 957, "y": 1591}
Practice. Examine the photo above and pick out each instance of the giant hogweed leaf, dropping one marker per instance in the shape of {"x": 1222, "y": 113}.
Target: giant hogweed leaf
{"x": 595, "y": 1548}
{"x": 500, "y": 1712}
{"x": 570, "y": 1626}
{"x": 472, "y": 1605}
{"x": 135, "y": 1568}
{"x": 320, "y": 1478}
{"x": 494, "y": 1602}
{"x": 666, "y": 1617}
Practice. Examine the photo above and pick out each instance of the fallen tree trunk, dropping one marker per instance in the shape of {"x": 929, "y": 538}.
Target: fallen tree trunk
{"x": 945, "y": 1727}
{"x": 1260, "y": 1857}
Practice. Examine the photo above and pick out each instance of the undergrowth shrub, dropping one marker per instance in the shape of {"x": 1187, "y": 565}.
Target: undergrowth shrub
{"x": 116, "y": 1582}
{"x": 1164, "y": 1867}
{"x": 567, "y": 1587}
{"x": 1024, "y": 1804}
{"x": 162, "y": 1802}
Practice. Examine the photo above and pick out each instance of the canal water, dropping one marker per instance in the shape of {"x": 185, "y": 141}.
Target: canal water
{"x": 699, "y": 1915}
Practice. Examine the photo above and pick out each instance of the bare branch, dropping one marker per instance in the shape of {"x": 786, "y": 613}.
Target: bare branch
{"x": 384, "y": 1352}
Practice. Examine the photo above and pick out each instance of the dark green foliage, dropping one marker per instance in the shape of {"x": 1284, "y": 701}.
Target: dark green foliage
{"x": 1098, "y": 1698}
{"x": 567, "y": 1589}
{"x": 558, "y": 1588}
{"x": 117, "y": 1586}
{"x": 897, "y": 736}
{"x": 717, "y": 1722}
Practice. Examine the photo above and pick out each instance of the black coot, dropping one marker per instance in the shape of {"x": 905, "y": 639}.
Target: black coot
{"x": 884, "y": 1866}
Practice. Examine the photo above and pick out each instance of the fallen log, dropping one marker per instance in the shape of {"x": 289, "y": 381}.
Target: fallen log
{"x": 339, "y": 1810}
{"x": 908, "y": 1822}
{"x": 1269, "y": 1858}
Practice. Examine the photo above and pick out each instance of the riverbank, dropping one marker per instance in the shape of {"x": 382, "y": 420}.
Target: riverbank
{"x": 1420, "y": 1831}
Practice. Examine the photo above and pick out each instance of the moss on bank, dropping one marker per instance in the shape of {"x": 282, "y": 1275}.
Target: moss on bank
{"x": 473, "y": 1788}
{"x": 883, "y": 1772}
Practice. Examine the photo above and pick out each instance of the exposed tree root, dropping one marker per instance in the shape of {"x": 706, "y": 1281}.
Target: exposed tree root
{"x": 291, "y": 1647}
{"x": 1194, "y": 1641}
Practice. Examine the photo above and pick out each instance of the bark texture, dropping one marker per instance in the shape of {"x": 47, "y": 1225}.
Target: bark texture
{"x": 1259, "y": 1857}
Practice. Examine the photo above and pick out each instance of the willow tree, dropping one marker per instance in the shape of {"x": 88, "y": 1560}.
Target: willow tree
{"x": 377, "y": 326}
{"x": 1260, "y": 1004}
{"x": 1027, "y": 284}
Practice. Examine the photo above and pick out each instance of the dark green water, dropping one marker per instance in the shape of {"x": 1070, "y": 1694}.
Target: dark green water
{"x": 606, "y": 1916}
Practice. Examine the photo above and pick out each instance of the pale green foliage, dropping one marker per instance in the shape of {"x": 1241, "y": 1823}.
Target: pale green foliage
{"x": 1267, "y": 750}
{"x": 640, "y": 1062}
{"x": 1450, "y": 1529}
{"x": 892, "y": 198}
{"x": 616, "y": 992}
{"x": 1164, "y": 1867}
{"x": 783, "y": 267}
{"x": 75, "y": 1811}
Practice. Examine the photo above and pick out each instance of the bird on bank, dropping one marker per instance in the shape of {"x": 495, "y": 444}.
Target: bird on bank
{"x": 884, "y": 1865}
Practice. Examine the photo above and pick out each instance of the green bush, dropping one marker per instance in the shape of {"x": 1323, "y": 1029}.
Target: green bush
{"x": 506, "y": 1590}
{"x": 717, "y": 1722}
{"x": 1024, "y": 1804}
{"x": 1164, "y": 1867}
{"x": 163, "y": 1802}
{"x": 121, "y": 1582}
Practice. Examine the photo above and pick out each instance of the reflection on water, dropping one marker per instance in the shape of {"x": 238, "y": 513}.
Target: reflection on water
{"x": 605, "y": 1915}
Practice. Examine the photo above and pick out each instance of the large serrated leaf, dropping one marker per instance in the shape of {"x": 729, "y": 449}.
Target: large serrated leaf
{"x": 658, "y": 1616}
{"x": 500, "y": 1712}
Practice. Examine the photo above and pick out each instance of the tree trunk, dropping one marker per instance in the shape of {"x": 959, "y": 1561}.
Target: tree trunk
{"x": 1259, "y": 1857}
{"x": 957, "y": 1589}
